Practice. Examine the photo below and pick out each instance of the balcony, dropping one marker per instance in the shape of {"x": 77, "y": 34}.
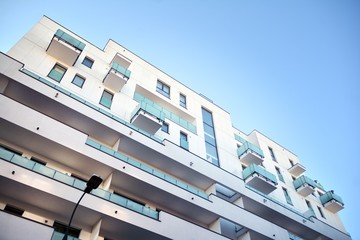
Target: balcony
{"x": 260, "y": 179}
{"x": 304, "y": 185}
{"x": 167, "y": 109}
{"x": 249, "y": 154}
{"x": 65, "y": 48}
{"x": 297, "y": 170}
{"x": 332, "y": 202}
{"x": 76, "y": 183}
{"x": 147, "y": 117}
{"x": 117, "y": 77}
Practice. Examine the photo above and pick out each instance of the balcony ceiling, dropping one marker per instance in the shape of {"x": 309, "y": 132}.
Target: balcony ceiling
{"x": 56, "y": 208}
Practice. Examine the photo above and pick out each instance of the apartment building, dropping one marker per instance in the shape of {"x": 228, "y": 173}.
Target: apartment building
{"x": 173, "y": 164}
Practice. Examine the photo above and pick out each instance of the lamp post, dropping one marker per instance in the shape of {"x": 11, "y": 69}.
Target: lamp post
{"x": 92, "y": 183}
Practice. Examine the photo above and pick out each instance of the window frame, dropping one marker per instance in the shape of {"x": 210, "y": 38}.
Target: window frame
{"x": 182, "y": 100}
{"x": 287, "y": 196}
{"x": 184, "y": 141}
{"x": 279, "y": 174}
{"x": 53, "y": 72}
{"x": 321, "y": 212}
{"x": 103, "y": 97}
{"x": 78, "y": 76}
{"x": 160, "y": 88}
{"x": 272, "y": 154}
{"x": 165, "y": 127}
{"x": 87, "y": 60}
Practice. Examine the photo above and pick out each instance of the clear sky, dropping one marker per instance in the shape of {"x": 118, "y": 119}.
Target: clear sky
{"x": 290, "y": 69}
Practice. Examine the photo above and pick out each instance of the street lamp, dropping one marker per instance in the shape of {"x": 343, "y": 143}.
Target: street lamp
{"x": 93, "y": 183}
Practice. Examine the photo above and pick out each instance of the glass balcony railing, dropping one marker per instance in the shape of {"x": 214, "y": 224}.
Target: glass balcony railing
{"x": 167, "y": 114}
{"x": 303, "y": 180}
{"x": 61, "y": 177}
{"x": 59, "y": 236}
{"x": 89, "y": 104}
{"x": 120, "y": 69}
{"x": 253, "y": 168}
{"x": 63, "y": 36}
{"x": 247, "y": 146}
{"x": 145, "y": 168}
{"x": 331, "y": 196}
{"x": 277, "y": 202}
{"x": 238, "y": 138}
{"x": 149, "y": 109}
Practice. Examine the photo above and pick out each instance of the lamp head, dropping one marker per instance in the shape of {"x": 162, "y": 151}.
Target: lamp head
{"x": 93, "y": 183}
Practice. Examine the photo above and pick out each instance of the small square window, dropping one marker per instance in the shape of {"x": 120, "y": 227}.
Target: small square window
{"x": 165, "y": 127}
{"x": 88, "y": 62}
{"x": 106, "y": 99}
{"x": 57, "y": 72}
{"x": 163, "y": 89}
{"x": 182, "y": 100}
{"x": 78, "y": 81}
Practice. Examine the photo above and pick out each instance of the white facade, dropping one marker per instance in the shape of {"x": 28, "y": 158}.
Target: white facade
{"x": 70, "y": 110}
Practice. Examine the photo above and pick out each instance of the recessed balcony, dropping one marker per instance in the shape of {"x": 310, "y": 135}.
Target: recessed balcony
{"x": 65, "y": 48}
{"x": 260, "y": 179}
{"x": 332, "y": 202}
{"x": 147, "y": 117}
{"x": 248, "y": 154}
{"x": 297, "y": 170}
{"x": 117, "y": 77}
{"x": 304, "y": 185}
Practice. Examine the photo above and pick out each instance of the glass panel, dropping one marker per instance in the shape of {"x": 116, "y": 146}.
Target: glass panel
{"x": 207, "y": 117}
{"x": 5, "y": 154}
{"x": 44, "y": 170}
{"x": 118, "y": 199}
{"x": 88, "y": 62}
{"x": 106, "y": 99}
{"x": 78, "y": 81}
{"x": 57, "y": 73}
{"x": 23, "y": 161}
{"x": 64, "y": 178}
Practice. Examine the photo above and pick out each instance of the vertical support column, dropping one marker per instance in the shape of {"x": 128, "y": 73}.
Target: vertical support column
{"x": 107, "y": 182}
{"x": 3, "y": 84}
{"x": 216, "y": 226}
{"x": 211, "y": 189}
{"x": 95, "y": 230}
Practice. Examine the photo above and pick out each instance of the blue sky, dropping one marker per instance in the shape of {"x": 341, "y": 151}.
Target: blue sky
{"x": 290, "y": 69}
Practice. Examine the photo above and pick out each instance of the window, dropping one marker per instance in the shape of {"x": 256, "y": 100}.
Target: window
{"x": 13, "y": 210}
{"x": 184, "y": 141}
{"x": 165, "y": 127}
{"x": 209, "y": 136}
{"x": 272, "y": 154}
{"x": 291, "y": 162}
{"x": 321, "y": 212}
{"x": 78, "y": 81}
{"x": 280, "y": 176}
{"x": 163, "y": 89}
{"x": 88, "y": 62}
{"x": 57, "y": 72}
{"x": 61, "y": 228}
{"x": 310, "y": 207}
{"x": 106, "y": 99}
{"x": 182, "y": 100}
{"x": 287, "y": 196}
